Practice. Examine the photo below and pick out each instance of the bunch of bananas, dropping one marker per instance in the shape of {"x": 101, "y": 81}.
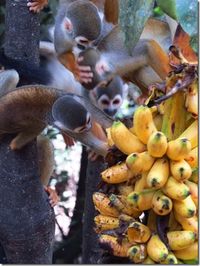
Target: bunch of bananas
{"x": 158, "y": 178}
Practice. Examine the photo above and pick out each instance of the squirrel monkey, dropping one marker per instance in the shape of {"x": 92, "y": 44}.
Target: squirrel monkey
{"x": 147, "y": 64}
{"x": 109, "y": 97}
{"x": 36, "y": 106}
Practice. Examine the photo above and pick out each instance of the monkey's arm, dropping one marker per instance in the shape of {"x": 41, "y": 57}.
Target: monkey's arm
{"x": 37, "y": 5}
{"x": 90, "y": 140}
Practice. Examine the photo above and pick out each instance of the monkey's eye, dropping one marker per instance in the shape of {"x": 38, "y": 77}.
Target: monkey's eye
{"x": 81, "y": 47}
{"x": 105, "y": 102}
{"x": 116, "y": 101}
{"x": 80, "y": 129}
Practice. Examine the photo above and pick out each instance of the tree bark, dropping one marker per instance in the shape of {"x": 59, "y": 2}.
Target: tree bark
{"x": 22, "y": 32}
{"x": 91, "y": 254}
{"x": 26, "y": 218}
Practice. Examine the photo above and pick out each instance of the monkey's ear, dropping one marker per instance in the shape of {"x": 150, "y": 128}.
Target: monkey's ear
{"x": 67, "y": 25}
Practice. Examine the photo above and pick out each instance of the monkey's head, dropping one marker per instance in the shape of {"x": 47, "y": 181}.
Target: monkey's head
{"x": 109, "y": 97}
{"x": 69, "y": 114}
{"x": 84, "y": 22}
{"x": 90, "y": 57}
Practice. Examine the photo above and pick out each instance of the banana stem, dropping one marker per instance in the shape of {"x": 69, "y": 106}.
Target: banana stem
{"x": 175, "y": 116}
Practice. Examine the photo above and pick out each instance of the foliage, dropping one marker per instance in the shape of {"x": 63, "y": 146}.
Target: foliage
{"x": 133, "y": 15}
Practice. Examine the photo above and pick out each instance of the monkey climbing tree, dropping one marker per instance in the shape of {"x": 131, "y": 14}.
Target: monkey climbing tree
{"x": 27, "y": 221}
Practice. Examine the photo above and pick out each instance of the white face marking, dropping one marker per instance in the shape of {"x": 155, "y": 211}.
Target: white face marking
{"x": 104, "y": 102}
{"x": 85, "y": 127}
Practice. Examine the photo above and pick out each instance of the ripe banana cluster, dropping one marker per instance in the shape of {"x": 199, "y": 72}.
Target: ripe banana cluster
{"x": 158, "y": 177}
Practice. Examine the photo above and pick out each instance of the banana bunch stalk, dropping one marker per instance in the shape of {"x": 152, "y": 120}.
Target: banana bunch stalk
{"x": 157, "y": 179}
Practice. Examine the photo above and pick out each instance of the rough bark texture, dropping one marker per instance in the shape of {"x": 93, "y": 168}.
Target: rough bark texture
{"x": 26, "y": 218}
{"x": 22, "y": 32}
{"x": 91, "y": 251}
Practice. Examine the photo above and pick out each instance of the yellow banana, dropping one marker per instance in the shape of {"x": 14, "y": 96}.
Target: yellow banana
{"x": 137, "y": 253}
{"x": 175, "y": 189}
{"x": 161, "y": 204}
{"x": 142, "y": 200}
{"x": 191, "y": 133}
{"x": 171, "y": 259}
{"x": 143, "y": 123}
{"x": 190, "y": 224}
{"x": 157, "y": 119}
{"x": 103, "y": 223}
{"x": 192, "y": 157}
{"x": 156, "y": 249}
{"x": 129, "y": 209}
{"x": 191, "y": 101}
{"x": 126, "y": 218}
{"x": 111, "y": 244}
{"x": 157, "y": 144}
{"x": 181, "y": 170}
{"x": 138, "y": 232}
{"x": 185, "y": 208}
{"x": 178, "y": 149}
{"x": 195, "y": 175}
{"x": 141, "y": 183}
{"x": 123, "y": 206}
{"x": 125, "y": 188}
{"x": 103, "y": 205}
{"x": 148, "y": 260}
{"x": 193, "y": 187}
{"x": 189, "y": 253}
{"x": 109, "y": 138}
{"x": 181, "y": 239}
{"x": 159, "y": 173}
{"x": 124, "y": 140}
{"x": 139, "y": 162}
{"x": 116, "y": 174}
{"x": 174, "y": 118}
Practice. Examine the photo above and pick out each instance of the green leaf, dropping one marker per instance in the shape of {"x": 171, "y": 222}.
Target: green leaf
{"x": 194, "y": 261}
{"x": 169, "y": 7}
{"x": 133, "y": 16}
{"x": 187, "y": 15}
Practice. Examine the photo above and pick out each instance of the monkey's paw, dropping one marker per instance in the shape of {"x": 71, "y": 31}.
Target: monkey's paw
{"x": 37, "y": 5}
{"x": 53, "y": 196}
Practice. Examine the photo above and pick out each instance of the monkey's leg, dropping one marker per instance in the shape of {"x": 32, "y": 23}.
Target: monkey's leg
{"x": 8, "y": 80}
{"x": 25, "y": 137}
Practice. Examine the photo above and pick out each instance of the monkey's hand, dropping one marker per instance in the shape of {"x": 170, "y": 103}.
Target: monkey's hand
{"x": 85, "y": 73}
{"x": 102, "y": 67}
{"x": 37, "y": 5}
{"x": 53, "y": 196}
{"x": 67, "y": 139}
{"x": 100, "y": 134}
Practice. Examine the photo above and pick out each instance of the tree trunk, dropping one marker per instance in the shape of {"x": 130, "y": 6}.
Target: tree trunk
{"x": 91, "y": 251}
{"x": 26, "y": 218}
{"x": 22, "y": 32}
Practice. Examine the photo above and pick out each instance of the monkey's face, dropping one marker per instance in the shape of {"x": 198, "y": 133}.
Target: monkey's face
{"x": 70, "y": 115}
{"x": 85, "y": 22}
{"x": 110, "y": 105}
